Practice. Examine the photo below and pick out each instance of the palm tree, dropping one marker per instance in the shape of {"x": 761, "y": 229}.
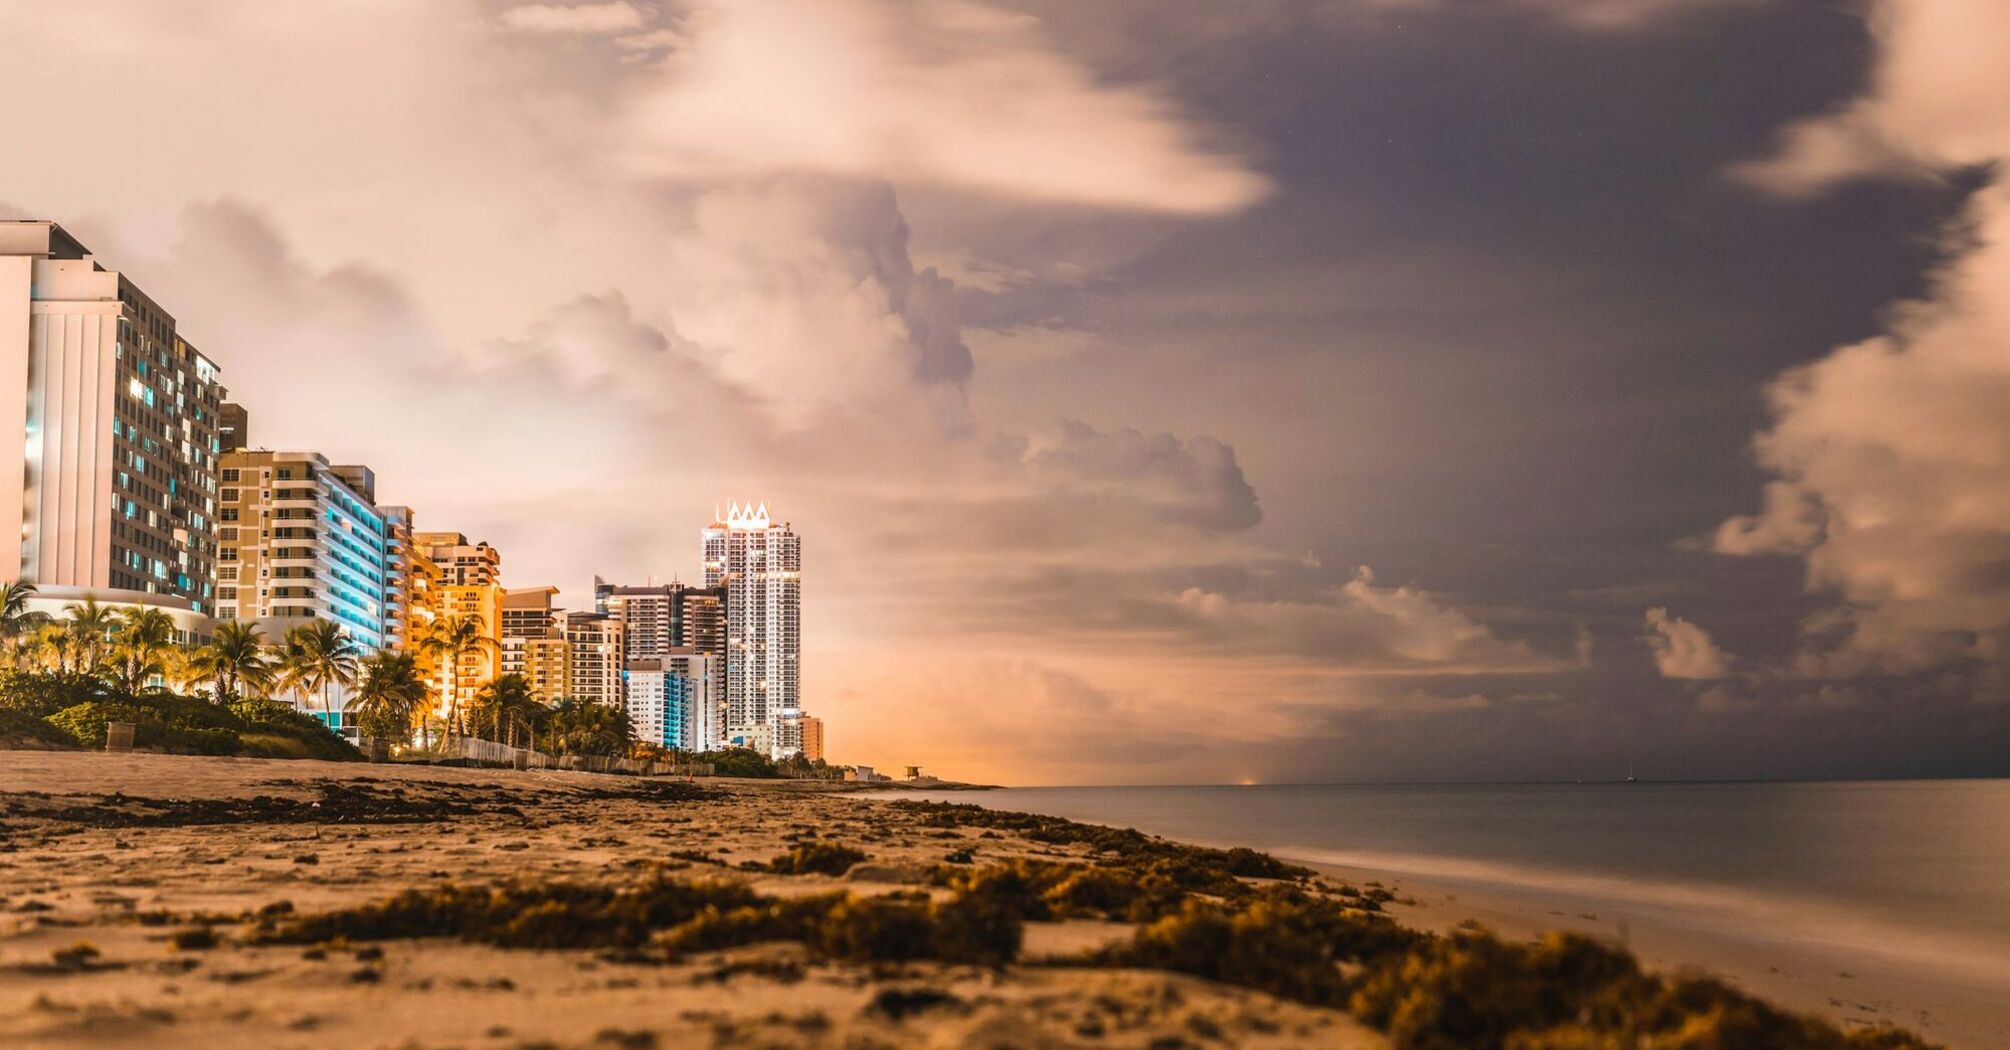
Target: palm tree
{"x": 54, "y": 646}
{"x": 451, "y": 640}
{"x": 142, "y": 641}
{"x": 508, "y": 704}
{"x": 320, "y": 655}
{"x": 235, "y": 659}
{"x": 90, "y": 626}
{"x": 15, "y": 619}
{"x": 390, "y": 694}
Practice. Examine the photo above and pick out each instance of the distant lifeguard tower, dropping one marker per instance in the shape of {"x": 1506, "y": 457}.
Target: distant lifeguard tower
{"x": 914, "y": 772}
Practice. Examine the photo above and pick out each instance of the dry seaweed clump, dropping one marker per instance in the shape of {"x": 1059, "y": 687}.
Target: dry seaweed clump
{"x": 666, "y": 918}
{"x": 1187, "y": 869}
{"x": 541, "y": 915}
{"x": 1471, "y": 990}
{"x": 1286, "y": 943}
{"x": 1570, "y": 992}
{"x": 817, "y": 858}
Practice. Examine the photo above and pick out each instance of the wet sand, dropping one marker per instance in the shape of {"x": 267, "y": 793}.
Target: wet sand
{"x": 94, "y": 886}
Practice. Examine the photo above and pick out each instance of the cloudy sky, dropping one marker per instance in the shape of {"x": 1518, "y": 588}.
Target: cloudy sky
{"x": 1166, "y": 390}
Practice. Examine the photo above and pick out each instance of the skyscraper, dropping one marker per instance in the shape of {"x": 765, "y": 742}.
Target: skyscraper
{"x": 759, "y": 563}
{"x": 114, "y": 484}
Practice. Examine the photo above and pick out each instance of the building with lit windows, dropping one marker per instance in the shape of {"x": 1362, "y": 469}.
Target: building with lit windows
{"x": 533, "y": 645}
{"x": 411, "y": 582}
{"x": 595, "y": 646}
{"x": 114, "y": 486}
{"x": 669, "y": 699}
{"x": 657, "y": 618}
{"x": 468, "y": 583}
{"x": 759, "y": 564}
{"x": 301, "y": 539}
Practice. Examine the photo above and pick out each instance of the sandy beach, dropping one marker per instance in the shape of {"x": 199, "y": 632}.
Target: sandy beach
{"x": 145, "y": 901}
{"x": 276, "y": 838}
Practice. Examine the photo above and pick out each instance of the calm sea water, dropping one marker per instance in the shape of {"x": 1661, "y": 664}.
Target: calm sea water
{"x": 1919, "y": 870}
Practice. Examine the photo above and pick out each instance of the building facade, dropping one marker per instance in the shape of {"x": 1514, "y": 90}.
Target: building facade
{"x": 813, "y": 738}
{"x": 758, "y": 562}
{"x": 469, "y": 583}
{"x": 411, "y": 582}
{"x": 669, "y": 699}
{"x": 532, "y": 643}
{"x": 301, "y": 539}
{"x": 114, "y": 485}
{"x": 660, "y": 618}
{"x": 595, "y": 643}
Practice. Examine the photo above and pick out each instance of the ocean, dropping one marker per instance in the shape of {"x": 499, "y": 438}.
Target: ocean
{"x": 1914, "y": 873}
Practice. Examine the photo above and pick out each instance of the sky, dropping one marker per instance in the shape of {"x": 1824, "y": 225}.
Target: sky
{"x": 1165, "y": 391}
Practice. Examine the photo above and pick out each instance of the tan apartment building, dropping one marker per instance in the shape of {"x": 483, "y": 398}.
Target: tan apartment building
{"x": 533, "y": 645}
{"x": 597, "y": 642}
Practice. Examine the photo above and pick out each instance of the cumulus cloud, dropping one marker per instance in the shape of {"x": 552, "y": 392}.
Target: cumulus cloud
{"x": 573, "y": 18}
{"x": 1682, "y": 649}
{"x": 1194, "y": 481}
{"x": 948, "y": 91}
{"x": 1892, "y": 455}
{"x": 1361, "y": 628}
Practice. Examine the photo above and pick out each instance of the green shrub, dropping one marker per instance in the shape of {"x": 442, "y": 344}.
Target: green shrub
{"x": 192, "y": 725}
{"x": 22, "y": 725}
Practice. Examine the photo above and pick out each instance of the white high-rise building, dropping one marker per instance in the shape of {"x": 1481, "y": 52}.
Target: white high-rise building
{"x": 113, "y": 487}
{"x": 670, "y": 699}
{"x": 759, "y": 563}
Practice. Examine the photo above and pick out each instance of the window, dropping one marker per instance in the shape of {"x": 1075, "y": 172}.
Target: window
{"x": 230, "y": 474}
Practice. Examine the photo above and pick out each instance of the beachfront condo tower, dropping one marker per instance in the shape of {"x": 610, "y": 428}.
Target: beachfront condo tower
{"x": 670, "y": 699}
{"x": 113, "y": 487}
{"x": 302, "y": 539}
{"x": 759, "y": 563}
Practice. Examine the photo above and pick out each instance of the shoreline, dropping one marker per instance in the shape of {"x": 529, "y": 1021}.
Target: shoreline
{"x": 1814, "y": 958}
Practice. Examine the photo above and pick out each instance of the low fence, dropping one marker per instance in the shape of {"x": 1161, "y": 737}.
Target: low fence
{"x": 490, "y": 753}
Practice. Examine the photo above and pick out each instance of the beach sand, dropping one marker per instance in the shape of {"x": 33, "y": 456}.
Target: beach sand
{"x": 278, "y": 834}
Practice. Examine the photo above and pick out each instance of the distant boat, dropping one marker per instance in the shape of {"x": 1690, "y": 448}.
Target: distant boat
{"x": 1630, "y": 778}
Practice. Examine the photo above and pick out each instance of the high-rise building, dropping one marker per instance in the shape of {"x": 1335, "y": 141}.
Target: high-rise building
{"x": 669, "y": 700}
{"x": 759, "y": 563}
{"x": 301, "y": 539}
{"x": 658, "y": 618}
{"x": 813, "y": 738}
{"x": 533, "y": 645}
{"x": 411, "y": 582}
{"x": 114, "y": 484}
{"x": 470, "y": 584}
{"x": 462, "y": 564}
{"x": 595, "y": 643}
